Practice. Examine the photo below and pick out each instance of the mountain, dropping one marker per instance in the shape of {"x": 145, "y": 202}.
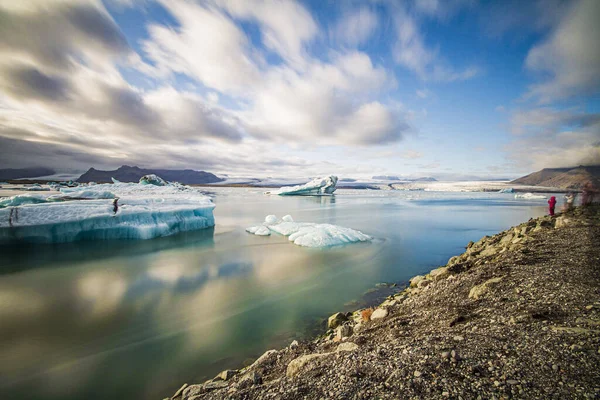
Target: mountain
{"x": 126, "y": 173}
{"x": 564, "y": 178}
{"x": 34, "y": 172}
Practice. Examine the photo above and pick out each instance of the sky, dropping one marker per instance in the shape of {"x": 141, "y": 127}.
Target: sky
{"x": 452, "y": 89}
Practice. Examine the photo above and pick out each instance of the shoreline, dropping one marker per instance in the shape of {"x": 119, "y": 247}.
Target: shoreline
{"x": 461, "y": 329}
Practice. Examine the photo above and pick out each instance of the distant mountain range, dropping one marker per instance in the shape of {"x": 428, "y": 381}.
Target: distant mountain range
{"x": 19, "y": 173}
{"x": 563, "y": 178}
{"x": 126, "y": 173}
{"x": 397, "y": 178}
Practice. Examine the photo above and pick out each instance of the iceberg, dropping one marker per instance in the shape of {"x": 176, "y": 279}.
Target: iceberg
{"x": 309, "y": 234}
{"x": 105, "y": 211}
{"x": 530, "y": 196}
{"x": 152, "y": 180}
{"x": 506, "y": 190}
{"x": 316, "y": 187}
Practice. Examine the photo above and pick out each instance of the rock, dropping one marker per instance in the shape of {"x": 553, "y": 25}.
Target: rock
{"x": 179, "y": 392}
{"x": 414, "y": 281}
{"x": 424, "y": 283}
{"x": 489, "y": 251}
{"x": 455, "y": 259}
{"x": 379, "y": 313}
{"x": 294, "y": 344}
{"x": 336, "y": 320}
{"x": 226, "y": 375}
{"x": 458, "y": 338}
{"x": 251, "y": 378}
{"x": 478, "y": 291}
{"x": 343, "y": 331}
{"x": 262, "y": 359}
{"x": 297, "y": 364}
{"x": 347, "y": 346}
{"x": 417, "y": 374}
{"x": 445, "y": 354}
{"x": 439, "y": 273}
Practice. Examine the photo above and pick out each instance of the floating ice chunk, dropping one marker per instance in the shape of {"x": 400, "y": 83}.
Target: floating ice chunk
{"x": 506, "y": 190}
{"x": 115, "y": 180}
{"x": 259, "y": 230}
{"x": 152, "y": 179}
{"x": 326, "y": 235}
{"x": 270, "y": 219}
{"x": 316, "y": 187}
{"x": 309, "y": 234}
{"x": 144, "y": 212}
{"x": 530, "y": 196}
{"x": 287, "y": 218}
{"x": 36, "y": 187}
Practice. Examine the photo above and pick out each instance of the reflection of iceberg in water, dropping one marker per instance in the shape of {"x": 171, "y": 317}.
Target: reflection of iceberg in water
{"x": 19, "y": 255}
{"x": 316, "y": 187}
{"x": 530, "y": 196}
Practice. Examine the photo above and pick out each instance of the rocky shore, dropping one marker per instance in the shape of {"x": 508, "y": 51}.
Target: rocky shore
{"x": 517, "y": 315}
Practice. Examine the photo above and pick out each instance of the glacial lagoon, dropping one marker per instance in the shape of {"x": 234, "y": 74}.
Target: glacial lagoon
{"x": 136, "y": 319}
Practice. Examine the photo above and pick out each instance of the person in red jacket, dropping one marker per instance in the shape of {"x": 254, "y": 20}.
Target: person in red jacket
{"x": 551, "y": 205}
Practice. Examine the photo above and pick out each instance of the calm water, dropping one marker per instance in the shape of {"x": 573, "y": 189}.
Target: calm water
{"x": 138, "y": 319}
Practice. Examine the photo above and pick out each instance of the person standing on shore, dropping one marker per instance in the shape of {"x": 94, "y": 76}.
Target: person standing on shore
{"x": 569, "y": 201}
{"x": 551, "y": 205}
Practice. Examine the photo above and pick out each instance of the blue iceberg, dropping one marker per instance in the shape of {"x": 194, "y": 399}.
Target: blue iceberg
{"x": 107, "y": 211}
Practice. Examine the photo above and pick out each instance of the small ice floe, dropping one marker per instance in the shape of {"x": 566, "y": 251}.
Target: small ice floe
{"x": 530, "y": 196}
{"x": 309, "y": 234}
{"x": 316, "y": 187}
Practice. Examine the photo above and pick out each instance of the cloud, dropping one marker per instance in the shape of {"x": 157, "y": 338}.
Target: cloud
{"x": 550, "y": 137}
{"x": 207, "y": 45}
{"x": 548, "y": 121}
{"x": 411, "y": 51}
{"x": 286, "y": 26}
{"x": 51, "y": 35}
{"x": 424, "y": 93}
{"x": 354, "y": 27}
{"x": 570, "y": 56}
{"x": 26, "y": 82}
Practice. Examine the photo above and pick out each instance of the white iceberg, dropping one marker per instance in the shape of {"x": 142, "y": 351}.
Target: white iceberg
{"x": 316, "y": 187}
{"x": 152, "y": 180}
{"x": 309, "y": 234}
{"x": 142, "y": 212}
{"x": 530, "y": 196}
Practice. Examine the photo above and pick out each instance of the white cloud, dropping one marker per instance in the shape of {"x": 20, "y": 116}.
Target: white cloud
{"x": 411, "y": 51}
{"x": 571, "y": 55}
{"x": 355, "y": 27}
{"x": 286, "y": 26}
{"x": 207, "y": 46}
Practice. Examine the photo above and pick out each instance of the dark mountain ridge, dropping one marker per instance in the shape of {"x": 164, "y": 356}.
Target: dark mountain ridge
{"x": 564, "y": 178}
{"x": 126, "y": 173}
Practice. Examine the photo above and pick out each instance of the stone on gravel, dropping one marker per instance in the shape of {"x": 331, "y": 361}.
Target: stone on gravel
{"x": 297, "y": 364}
{"x": 336, "y": 320}
{"x": 479, "y": 291}
{"x": 347, "y": 346}
{"x": 439, "y": 273}
{"x": 379, "y": 313}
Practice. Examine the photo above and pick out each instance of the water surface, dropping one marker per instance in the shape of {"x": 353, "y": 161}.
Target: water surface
{"x": 136, "y": 319}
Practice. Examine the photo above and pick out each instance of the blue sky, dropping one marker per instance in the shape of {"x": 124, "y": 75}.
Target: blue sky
{"x": 451, "y": 89}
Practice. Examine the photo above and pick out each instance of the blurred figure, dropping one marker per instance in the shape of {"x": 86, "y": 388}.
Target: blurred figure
{"x": 569, "y": 201}
{"x": 551, "y": 205}
{"x": 588, "y": 194}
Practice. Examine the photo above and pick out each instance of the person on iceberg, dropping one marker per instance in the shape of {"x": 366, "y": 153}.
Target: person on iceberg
{"x": 551, "y": 205}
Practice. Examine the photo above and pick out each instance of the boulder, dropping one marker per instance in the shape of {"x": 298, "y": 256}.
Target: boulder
{"x": 251, "y": 378}
{"x": 343, "y": 331}
{"x": 347, "y": 346}
{"x": 478, "y": 291}
{"x": 262, "y": 359}
{"x": 379, "y": 313}
{"x": 439, "y": 273}
{"x": 414, "y": 281}
{"x": 178, "y": 393}
{"x": 336, "y": 320}
{"x": 298, "y": 364}
{"x": 226, "y": 375}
